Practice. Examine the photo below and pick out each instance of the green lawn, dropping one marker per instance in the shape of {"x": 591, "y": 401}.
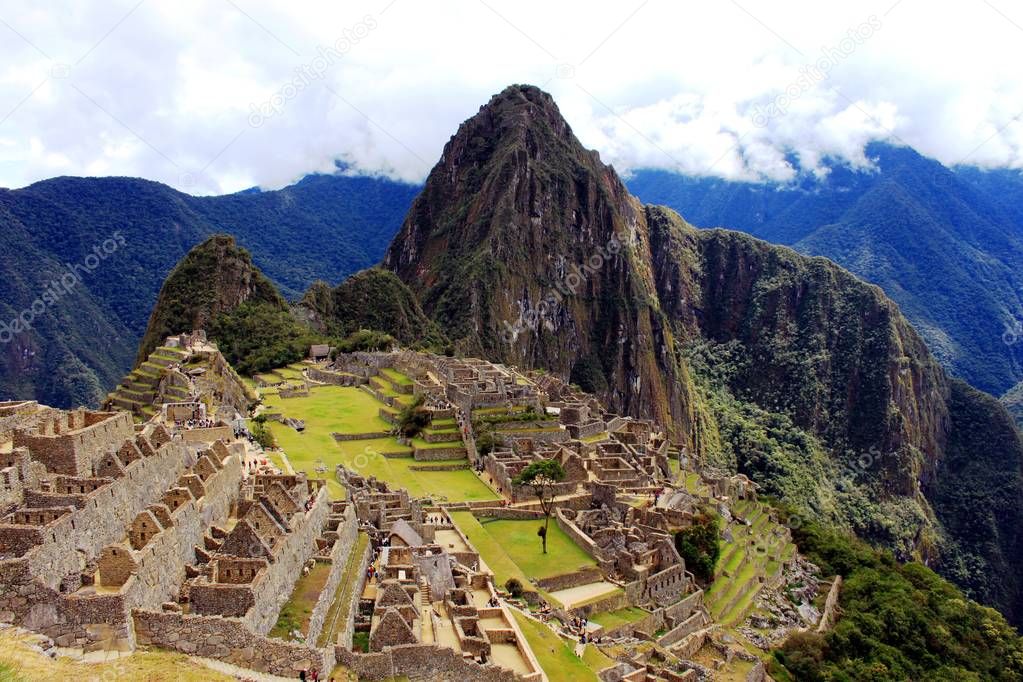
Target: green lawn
{"x": 613, "y": 619}
{"x": 563, "y": 555}
{"x": 396, "y": 376}
{"x": 491, "y": 550}
{"x": 342, "y": 409}
{"x": 556, "y": 656}
{"x": 512, "y": 548}
{"x": 595, "y": 658}
{"x": 298, "y": 609}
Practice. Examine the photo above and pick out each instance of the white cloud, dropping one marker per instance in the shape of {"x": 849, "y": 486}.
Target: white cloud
{"x": 166, "y": 89}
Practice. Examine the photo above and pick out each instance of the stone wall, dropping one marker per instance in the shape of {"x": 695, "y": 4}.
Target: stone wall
{"x": 274, "y": 588}
{"x": 207, "y": 435}
{"x": 433, "y": 454}
{"x": 102, "y": 520}
{"x": 346, "y": 634}
{"x": 828, "y": 615}
{"x": 334, "y": 378}
{"x": 347, "y": 533}
{"x": 161, "y": 563}
{"x": 591, "y": 574}
{"x": 71, "y": 442}
{"x": 421, "y": 662}
{"x": 360, "y": 436}
{"x": 89, "y": 619}
{"x": 230, "y": 641}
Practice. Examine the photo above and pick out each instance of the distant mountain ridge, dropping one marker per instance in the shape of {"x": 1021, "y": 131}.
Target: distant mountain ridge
{"x": 323, "y": 227}
{"x": 945, "y": 244}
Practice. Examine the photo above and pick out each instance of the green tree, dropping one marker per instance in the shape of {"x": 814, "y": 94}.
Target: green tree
{"x": 413, "y": 418}
{"x": 543, "y": 475}
{"x": 261, "y": 431}
{"x": 700, "y": 545}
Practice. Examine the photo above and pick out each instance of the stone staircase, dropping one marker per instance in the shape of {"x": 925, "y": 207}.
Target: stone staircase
{"x": 426, "y": 611}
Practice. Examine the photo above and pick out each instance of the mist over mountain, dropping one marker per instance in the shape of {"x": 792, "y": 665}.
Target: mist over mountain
{"x": 945, "y": 244}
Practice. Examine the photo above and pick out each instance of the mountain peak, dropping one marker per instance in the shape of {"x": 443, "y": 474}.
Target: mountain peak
{"x": 214, "y": 277}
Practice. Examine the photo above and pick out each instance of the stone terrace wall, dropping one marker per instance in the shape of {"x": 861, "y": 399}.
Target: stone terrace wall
{"x": 107, "y": 513}
{"x": 274, "y": 588}
{"x": 421, "y": 662}
{"x": 347, "y": 532}
{"x": 101, "y": 620}
{"x": 229, "y": 641}
{"x": 345, "y": 636}
{"x": 161, "y": 563}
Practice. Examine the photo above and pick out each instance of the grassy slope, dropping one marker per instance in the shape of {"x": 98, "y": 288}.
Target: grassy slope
{"x": 555, "y": 655}
{"x": 20, "y": 663}
{"x": 343, "y": 409}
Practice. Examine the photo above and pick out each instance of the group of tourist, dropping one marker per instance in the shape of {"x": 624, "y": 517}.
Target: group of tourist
{"x": 577, "y": 626}
{"x": 196, "y": 423}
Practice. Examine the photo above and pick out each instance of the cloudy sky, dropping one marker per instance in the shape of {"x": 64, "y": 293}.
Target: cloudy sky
{"x": 213, "y": 96}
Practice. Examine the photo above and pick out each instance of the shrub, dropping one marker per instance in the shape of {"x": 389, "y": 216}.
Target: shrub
{"x": 413, "y": 418}
{"x": 514, "y": 587}
{"x": 700, "y": 545}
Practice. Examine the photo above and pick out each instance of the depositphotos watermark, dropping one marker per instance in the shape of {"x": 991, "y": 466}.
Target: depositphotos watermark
{"x": 1013, "y": 333}
{"x": 810, "y": 75}
{"x": 60, "y": 287}
{"x": 566, "y": 287}
{"x": 326, "y": 57}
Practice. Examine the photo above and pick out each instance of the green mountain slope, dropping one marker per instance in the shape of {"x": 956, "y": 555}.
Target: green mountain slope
{"x": 324, "y": 227}
{"x": 372, "y": 299}
{"x": 944, "y": 244}
{"x": 1013, "y": 401}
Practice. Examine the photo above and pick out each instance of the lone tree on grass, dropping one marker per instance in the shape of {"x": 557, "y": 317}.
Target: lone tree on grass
{"x": 413, "y": 419}
{"x": 543, "y": 475}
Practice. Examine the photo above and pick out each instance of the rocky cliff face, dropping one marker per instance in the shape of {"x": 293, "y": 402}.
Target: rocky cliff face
{"x": 215, "y": 277}
{"x": 372, "y": 299}
{"x": 525, "y": 248}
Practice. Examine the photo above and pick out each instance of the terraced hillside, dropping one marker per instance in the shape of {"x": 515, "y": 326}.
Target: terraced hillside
{"x": 139, "y": 390}
{"x": 352, "y": 425}
{"x": 756, "y": 556}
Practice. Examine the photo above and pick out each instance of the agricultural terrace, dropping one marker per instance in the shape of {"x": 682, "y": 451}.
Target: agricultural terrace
{"x": 348, "y": 410}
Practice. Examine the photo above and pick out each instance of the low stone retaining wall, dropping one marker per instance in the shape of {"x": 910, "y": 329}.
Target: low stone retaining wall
{"x": 439, "y": 467}
{"x": 509, "y": 513}
{"x": 427, "y": 454}
{"x": 421, "y": 662}
{"x": 327, "y": 377}
{"x": 227, "y": 640}
{"x": 369, "y": 435}
{"x": 584, "y": 576}
{"x": 442, "y": 436}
